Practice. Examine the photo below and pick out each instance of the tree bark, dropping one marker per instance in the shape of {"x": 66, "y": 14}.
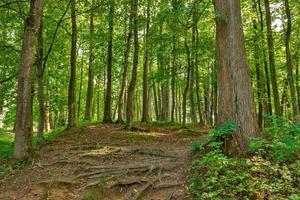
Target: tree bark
{"x": 23, "y": 126}
{"x": 145, "y": 117}
{"x": 236, "y": 102}
{"x": 72, "y": 83}
{"x": 186, "y": 89}
{"x": 289, "y": 60}
{"x": 260, "y": 89}
{"x": 272, "y": 59}
{"x": 90, "y": 88}
{"x": 40, "y": 76}
{"x": 125, "y": 69}
{"x": 131, "y": 87}
{"x": 107, "y": 103}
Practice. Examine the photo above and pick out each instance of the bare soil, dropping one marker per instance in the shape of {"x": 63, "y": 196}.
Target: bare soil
{"x": 107, "y": 162}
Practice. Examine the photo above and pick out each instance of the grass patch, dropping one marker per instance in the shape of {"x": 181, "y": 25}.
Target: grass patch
{"x": 48, "y": 137}
{"x": 6, "y": 145}
{"x": 166, "y": 124}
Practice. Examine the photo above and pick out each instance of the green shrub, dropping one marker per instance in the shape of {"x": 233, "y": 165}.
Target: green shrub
{"x": 281, "y": 141}
{"x": 264, "y": 175}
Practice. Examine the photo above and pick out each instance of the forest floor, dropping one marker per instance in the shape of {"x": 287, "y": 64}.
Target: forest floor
{"x": 107, "y": 162}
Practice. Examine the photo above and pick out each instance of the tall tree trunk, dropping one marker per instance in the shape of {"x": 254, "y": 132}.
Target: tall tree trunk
{"x": 174, "y": 58}
{"x": 40, "y": 76}
{"x": 80, "y": 90}
{"x": 186, "y": 89}
{"x": 297, "y": 79}
{"x": 107, "y": 103}
{"x": 131, "y": 87}
{"x": 272, "y": 58}
{"x": 236, "y": 102}
{"x": 260, "y": 89}
{"x": 125, "y": 68}
{"x": 145, "y": 117}
{"x": 23, "y": 125}
{"x": 289, "y": 60}
{"x": 90, "y": 88}
{"x": 72, "y": 83}
{"x": 268, "y": 106}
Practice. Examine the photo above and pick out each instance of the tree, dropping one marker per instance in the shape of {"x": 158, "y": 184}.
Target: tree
{"x": 23, "y": 126}
{"x": 131, "y": 88}
{"x": 125, "y": 67}
{"x": 272, "y": 58}
{"x": 289, "y": 59}
{"x": 236, "y": 102}
{"x": 90, "y": 89}
{"x": 145, "y": 117}
{"x": 40, "y": 76}
{"x": 72, "y": 82}
{"x": 107, "y": 103}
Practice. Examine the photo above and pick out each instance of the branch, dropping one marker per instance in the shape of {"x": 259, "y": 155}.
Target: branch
{"x": 54, "y": 36}
{"x": 8, "y": 79}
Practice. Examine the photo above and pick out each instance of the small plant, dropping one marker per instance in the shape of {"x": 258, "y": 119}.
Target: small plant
{"x": 102, "y": 182}
{"x": 272, "y": 172}
{"x": 89, "y": 195}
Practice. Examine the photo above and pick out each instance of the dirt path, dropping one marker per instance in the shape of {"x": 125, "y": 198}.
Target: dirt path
{"x": 106, "y": 162}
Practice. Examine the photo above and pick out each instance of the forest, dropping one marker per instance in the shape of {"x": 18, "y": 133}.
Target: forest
{"x": 149, "y": 99}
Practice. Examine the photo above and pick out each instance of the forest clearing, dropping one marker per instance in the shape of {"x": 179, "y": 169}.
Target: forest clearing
{"x": 150, "y": 99}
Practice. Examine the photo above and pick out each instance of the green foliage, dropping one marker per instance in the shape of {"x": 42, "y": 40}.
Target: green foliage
{"x": 89, "y": 195}
{"x": 281, "y": 141}
{"x": 48, "y": 137}
{"x": 6, "y": 145}
{"x": 11, "y": 168}
{"x": 262, "y": 176}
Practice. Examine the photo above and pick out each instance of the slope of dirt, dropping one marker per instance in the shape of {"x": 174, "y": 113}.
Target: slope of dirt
{"x": 106, "y": 162}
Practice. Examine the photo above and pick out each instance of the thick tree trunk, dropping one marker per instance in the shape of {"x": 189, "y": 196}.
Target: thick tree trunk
{"x": 107, "y": 103}
{"x": 131, "y": 87}
{"x": 272, "y": 59}
{"x": 145, "y": 117}
{"x": 236, "y": 102}
{"x": 289, "y": 60}
{"x": 90, "y": 88}
{"x": 72, "y": 83}
{"x": 23, "y": 125}
{"x": 40, "y": 76}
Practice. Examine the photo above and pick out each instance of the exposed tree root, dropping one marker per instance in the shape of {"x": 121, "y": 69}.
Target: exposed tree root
{"x": 59, "y": 181}
{"x": 167, "y": 185}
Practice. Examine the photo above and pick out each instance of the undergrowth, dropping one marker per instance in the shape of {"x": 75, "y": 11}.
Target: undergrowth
{"x": 7, "y": 146}
{"x": 271, "y": 172}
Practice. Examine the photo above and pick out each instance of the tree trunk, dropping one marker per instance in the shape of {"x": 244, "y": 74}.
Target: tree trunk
{"x": 23, "y": 125}
{"x": 131, "y": 87}
{"x": 40, "y": 76}
{"x": 72, "y": 83}
{"x": 125, "y": 69}
{"x": 145, "y": 117}
{"x": 80, "y": 90}
{"x": 272, "y": 59}
{"x": 186, "y": 89}
{"x": 260, "y": 89}
{"x": 107, "y": 103}
{"x": 289, "y": 60}
{"x": 236, "y": 102}
{"x": 268, "y": 106}
{"x": 90, "y": 88}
